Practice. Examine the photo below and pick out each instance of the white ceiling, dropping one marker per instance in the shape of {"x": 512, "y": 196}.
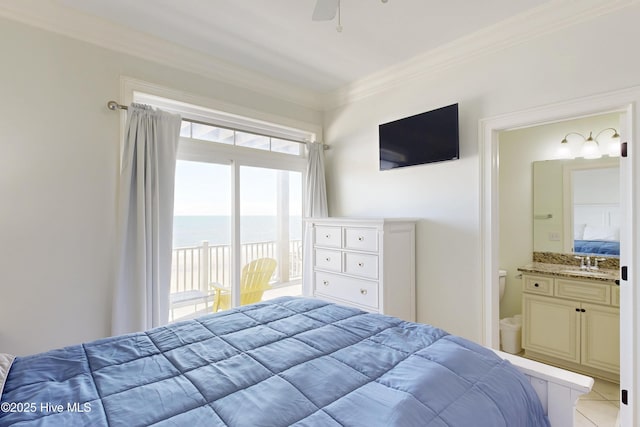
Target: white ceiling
{"x": 274, "y": 48}
{"x": 278, "y": 39}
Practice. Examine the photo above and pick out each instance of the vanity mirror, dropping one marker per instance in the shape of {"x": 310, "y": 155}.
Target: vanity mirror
{"x": 576, "y": 206}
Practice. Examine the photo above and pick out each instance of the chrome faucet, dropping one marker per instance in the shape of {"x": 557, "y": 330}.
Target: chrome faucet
{"x": 585, "y": 263}
{"x": 595, "y": 263}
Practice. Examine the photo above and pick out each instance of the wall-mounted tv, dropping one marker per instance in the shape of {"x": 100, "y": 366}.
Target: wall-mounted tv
{"x": 424, "y": 138}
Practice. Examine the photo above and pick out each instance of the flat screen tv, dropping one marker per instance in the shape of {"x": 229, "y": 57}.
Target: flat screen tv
{"x": 424, "y": 138}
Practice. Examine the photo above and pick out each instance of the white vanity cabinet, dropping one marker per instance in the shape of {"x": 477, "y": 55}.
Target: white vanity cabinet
{"x": 365, "y": 263}
{"x": 574, "y": 323}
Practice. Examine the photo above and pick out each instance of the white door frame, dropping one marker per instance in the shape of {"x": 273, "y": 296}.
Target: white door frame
{"x": 623, "y": 101}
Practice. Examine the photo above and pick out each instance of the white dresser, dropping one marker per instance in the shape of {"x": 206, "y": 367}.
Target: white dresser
{"x": 365, "y": 263}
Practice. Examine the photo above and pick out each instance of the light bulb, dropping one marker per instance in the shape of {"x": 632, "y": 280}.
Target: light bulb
{"x": 591, "y": 150}
{"x": 563, "y": 151}
{"x": 614, "y": 147}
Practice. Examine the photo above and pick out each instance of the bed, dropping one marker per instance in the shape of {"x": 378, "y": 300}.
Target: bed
{"x": 596, "y": 238}
{"x": 597, "y": 247}
{"x": 288, "y": 361}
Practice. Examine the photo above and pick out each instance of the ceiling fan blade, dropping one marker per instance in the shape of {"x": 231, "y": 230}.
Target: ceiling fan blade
{"x": 325, "y": 10}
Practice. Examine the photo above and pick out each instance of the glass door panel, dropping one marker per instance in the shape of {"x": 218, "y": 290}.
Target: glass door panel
{"x": 201, "y": 261}
{"x": 270, "y": 233}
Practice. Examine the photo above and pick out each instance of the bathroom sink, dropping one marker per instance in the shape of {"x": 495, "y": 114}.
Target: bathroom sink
{"x": 587, "y": 273}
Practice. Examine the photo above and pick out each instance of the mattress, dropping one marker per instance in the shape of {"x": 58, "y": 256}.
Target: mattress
{"x": 288, "y": 361}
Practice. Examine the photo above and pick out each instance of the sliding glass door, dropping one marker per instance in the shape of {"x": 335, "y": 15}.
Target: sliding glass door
{"x": 237, "y": 236}
{"x": 270, "y": 233}
{"x": 201, "y": 237}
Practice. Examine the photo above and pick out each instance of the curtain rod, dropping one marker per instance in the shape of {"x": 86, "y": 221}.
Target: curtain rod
{"x": 113, "y": 106}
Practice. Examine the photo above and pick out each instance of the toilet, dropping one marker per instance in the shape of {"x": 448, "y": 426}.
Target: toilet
{"x": 510, "y": 327}
{"x": 503, "y": 281}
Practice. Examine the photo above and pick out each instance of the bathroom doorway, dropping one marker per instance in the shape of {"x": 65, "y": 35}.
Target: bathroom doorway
{"x": 525, "y": 193}
{"x": 620, "y": 102}
{"x": 552, "y": 204}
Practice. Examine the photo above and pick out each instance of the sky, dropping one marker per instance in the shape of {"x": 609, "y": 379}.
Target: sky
{"x": 205, "y": 189}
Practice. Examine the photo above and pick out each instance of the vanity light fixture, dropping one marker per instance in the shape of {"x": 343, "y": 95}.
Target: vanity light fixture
{"x": 591, "y": 146}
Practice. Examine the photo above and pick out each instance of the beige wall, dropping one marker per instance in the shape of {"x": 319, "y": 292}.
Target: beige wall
{"x": 547, "y": 188}
{"x": 58, "y": 177}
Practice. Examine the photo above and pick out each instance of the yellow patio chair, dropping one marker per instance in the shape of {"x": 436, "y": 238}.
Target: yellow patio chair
{"x": 254, "y": 280}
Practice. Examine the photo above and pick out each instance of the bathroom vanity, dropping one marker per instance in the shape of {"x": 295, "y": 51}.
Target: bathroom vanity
{"x": 571, "y": 318}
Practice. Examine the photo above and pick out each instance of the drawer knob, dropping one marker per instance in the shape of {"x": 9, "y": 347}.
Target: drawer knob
{"x": 536, "y": 285}
{"x": 361, "y": 238}
{"x": 363, "y": 291}
{"x": 325, "y": 282}
{"x": 361, "y": 264}
{"x": 328, "y": 259}
{"x": 327, "y": 236}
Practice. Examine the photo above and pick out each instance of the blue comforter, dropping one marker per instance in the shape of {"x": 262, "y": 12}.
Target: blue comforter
{"x": 289, "y": 361}
{"x": 598, "y": 247}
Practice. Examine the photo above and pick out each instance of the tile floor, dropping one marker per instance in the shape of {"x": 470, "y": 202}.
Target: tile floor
{"x": 600, "y": 407}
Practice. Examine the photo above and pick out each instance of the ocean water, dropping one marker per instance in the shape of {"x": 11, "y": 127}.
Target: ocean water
{"x": 192, "y": 230}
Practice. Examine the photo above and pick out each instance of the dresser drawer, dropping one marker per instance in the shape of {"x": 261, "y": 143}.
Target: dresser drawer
{"x": 363, "y": 265}
{"x": 328, "y": 260}
{"x": 356, "y": 291}
{"x": 538, "y": 285}
{"x": 361, "y": 239}
{"x": 330, "y": 237}
{"x": 615, "y": 296}
{"x": 583, "y": 291}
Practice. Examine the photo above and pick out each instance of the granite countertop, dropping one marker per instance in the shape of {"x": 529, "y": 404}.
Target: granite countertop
{"x": 571, "y": 271}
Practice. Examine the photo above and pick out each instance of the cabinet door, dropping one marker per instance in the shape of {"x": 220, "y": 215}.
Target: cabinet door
{"x": 601, "y": 337}
{"x": 551, "y": 326}
{"x": 615, "y": 296}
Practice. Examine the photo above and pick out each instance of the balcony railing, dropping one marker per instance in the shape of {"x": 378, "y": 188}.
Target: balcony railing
{"x": 194, "y": 267}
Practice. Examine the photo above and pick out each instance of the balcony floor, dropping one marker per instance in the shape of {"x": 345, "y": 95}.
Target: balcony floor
{"x": 197, "y": 310}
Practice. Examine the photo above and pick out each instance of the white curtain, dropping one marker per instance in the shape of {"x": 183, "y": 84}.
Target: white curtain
{"x": 315, "y": 206}
{"x": 145, "y": 220}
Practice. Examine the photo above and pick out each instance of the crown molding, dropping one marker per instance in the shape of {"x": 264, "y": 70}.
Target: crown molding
{"x": 545, "y": 19}
{"x": 51, "y": 16}
{"x": 550, "y": 17}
